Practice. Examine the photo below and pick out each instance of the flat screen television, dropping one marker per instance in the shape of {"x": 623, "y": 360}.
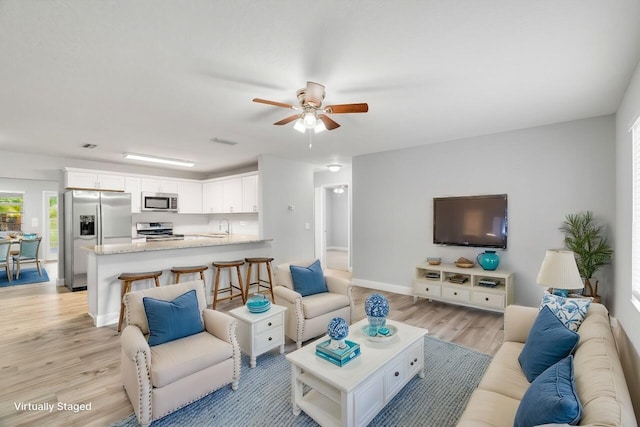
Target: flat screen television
{"x": 477, "y": 221}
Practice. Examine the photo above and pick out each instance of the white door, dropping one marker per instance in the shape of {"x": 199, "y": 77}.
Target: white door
{"x": 49, "y": 246}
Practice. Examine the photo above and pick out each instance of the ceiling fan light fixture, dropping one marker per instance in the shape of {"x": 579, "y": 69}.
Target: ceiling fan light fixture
{"x": 334, "y": 167}
{"x": 320, "y": 127}
{"x": 309, "y": 120}
{"x": 299, "y": 126}
{"x": 155, "y": 159}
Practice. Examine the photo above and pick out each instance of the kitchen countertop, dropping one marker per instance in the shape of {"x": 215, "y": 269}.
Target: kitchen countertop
{"x": 190, "y": 241}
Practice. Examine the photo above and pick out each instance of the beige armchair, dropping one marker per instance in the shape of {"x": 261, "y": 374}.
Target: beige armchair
{"x": 307, "y": 317}
{"x": 165, "y": 377}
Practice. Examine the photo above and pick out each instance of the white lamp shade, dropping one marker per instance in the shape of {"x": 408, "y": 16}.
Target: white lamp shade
{"x": 559, "y": 270}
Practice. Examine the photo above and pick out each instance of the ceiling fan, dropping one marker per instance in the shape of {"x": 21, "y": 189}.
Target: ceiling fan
{"x": 311, "y": 114}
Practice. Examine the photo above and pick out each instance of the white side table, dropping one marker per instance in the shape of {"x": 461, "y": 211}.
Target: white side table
{"x": 260, "y": 332}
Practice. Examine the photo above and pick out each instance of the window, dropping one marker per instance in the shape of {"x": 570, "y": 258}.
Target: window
{"x": 11, "y": 211}
{"x": 635, "y": 219}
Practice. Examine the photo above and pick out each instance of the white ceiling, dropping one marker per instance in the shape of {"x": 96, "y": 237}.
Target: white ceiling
{"x": 163, "y": 77}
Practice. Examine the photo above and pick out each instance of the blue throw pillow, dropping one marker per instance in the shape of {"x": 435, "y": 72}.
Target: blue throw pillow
{"x": 170, "y": 320}
{"x": 308, "y": 280}
{"x": 551, "y": 398}
{"x": 548, "y": 342}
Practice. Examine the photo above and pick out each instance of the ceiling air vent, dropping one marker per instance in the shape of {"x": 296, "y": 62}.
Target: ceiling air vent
{"x": 223, "y": 141}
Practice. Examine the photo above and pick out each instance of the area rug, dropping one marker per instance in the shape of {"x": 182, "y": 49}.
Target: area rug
{"x": 27, "y": 276}
{"x": 264, "y": 396}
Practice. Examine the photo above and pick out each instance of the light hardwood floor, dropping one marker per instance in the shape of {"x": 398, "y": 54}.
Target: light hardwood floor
{"x": 51, "y": 352}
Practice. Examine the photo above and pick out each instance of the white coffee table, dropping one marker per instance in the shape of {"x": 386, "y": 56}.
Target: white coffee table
{"x": 352, "y": 395}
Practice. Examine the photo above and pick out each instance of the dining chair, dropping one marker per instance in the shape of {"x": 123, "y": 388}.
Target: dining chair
{"x": 5, "y": 257}
{"x": 28, "y": 254}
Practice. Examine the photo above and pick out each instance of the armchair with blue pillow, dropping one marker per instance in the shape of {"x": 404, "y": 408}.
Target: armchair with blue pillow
{"x": 312, "y": 299}
{"x": 174, "y": 350}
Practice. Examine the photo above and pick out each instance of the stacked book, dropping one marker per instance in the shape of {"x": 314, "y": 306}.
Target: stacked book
{"x": 339, "y": 356}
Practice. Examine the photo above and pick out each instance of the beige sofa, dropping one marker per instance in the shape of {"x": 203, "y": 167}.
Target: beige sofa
{"x": 308, "y": 317}
{"x": 599, "y": 378}
{"x": 163, "y": 378}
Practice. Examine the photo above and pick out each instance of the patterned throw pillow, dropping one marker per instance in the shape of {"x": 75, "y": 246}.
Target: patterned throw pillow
{"x": 571, "y": 311}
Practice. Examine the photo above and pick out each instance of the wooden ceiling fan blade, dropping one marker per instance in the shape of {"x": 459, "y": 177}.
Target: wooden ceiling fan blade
{"x": 287, "y": 120}
{"x": 362, "y": 107}
{"x": 314, "y": 94}
{"x": 277, "y": 104}
{"x": 328, "y": 122}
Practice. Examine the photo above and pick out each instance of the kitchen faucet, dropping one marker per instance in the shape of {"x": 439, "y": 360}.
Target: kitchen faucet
{"x": 228, "y": 225}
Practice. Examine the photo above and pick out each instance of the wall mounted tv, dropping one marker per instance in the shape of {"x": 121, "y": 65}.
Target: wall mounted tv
{"x": 477, "y": 221}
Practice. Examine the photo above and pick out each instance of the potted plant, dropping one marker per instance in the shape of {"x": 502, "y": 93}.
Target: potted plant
{"x": 589, "y": 244}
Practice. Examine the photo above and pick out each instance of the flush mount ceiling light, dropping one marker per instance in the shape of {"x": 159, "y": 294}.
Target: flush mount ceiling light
{"x": 334, "y": 167}
{"x": 339, "y": 190}
{"x": 155, "y": 159}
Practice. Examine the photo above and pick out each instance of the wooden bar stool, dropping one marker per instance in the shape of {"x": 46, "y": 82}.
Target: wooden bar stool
{"x": 127, "y": 279}
{"x": 259, "y": 282}
{"x": 188, "y": 270}
{"x": 220, "y": 265}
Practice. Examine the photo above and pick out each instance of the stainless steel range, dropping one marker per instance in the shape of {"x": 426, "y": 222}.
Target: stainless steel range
{"x": 157, "y": 231}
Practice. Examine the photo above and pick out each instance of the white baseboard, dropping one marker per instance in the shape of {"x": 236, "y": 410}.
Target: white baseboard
{"x": 381, "y": 286}
{"x": 59, "y": 282}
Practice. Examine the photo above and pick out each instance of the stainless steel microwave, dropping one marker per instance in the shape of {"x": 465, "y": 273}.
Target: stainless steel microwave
{"x": 159, "y": 202}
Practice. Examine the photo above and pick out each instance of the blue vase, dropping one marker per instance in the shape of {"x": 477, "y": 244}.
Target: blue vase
{"x": 488, "y": 260}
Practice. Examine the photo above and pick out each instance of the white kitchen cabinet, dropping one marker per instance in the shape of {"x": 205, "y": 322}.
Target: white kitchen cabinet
{"x": 93, "y": 181}
{"x": 232, "y": 195}
{"x": 189, "y": 197}
{"x": 250, "y": 193}
{"x": 159, "y": 186}
{"x": 132, "y": 185}
{"x": 489, "y": 290}
{"x": 212, "y": 197}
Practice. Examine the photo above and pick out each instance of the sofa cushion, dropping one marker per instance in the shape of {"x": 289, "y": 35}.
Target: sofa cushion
{"x": 571, "y": 311}
{"x": 319, "y": 304}
{"x": 551, "y": 398}
{"x": 308, "y": 280}
{"x": 179, "y": 358}
{"x": 170, "y": 320}
{"x": 548, "y": 342}
{"x": 489, "y": 409}
{"x": 504, "y": 375}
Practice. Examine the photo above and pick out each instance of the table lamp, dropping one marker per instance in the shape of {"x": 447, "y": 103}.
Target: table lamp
{"x": 559, "y": 272}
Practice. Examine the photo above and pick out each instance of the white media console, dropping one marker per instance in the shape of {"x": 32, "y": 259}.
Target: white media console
{"x": 473, "y": 287}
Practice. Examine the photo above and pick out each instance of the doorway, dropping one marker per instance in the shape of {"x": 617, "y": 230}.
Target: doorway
{"x": 333, "y": 220}
{"x": 50, "y": 240}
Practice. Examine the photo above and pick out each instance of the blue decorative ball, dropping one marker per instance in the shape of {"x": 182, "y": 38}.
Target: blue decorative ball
{"x": 338, "y": 328}
{"x": 376, "y": 305}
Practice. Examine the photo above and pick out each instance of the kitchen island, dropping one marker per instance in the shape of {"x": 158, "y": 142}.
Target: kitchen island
{"x": 106, "y": 262}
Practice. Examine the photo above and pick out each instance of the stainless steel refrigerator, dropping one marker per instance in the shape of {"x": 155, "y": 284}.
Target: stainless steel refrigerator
{"x": 92, "y": 218}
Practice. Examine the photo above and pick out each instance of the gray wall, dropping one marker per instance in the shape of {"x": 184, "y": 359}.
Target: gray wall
{"x": 287, "y": 183}
{"x": 620, "y": 305}
{"x": 546, "y": 171}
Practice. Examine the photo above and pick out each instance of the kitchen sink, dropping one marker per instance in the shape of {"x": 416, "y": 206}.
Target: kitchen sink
{"x": 215, "y": 235}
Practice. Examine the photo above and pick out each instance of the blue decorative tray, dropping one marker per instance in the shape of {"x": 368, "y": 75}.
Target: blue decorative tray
{"x": 372, "y": 335}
